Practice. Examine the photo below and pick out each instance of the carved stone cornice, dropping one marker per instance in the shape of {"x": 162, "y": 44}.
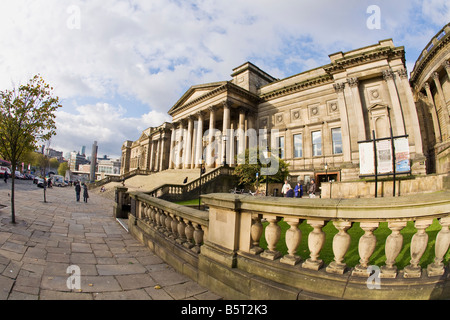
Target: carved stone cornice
{"x": 378, "y": 54}
{"x": 297, "y": 87}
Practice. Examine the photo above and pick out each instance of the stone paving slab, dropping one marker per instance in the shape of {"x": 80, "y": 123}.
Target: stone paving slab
{"x": 48, "y": 238}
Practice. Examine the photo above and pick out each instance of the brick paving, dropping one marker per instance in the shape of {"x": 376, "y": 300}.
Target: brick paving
{"x": 48, "y": 238}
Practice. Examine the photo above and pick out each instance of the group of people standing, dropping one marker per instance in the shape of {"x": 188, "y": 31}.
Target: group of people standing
{"x": 297, "y": 192}
{"x": 78, "y": 191}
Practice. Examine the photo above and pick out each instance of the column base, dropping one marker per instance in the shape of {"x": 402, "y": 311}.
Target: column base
{"x": 291, "y": 260}
{"x": 270, "y": 255}
{"x": 412, "y": 272}
{"x": 337, "y": 268}
{"x": 388, "y": 272}
{"x": 312, "y": 265}
{"x": 434, "y": 270}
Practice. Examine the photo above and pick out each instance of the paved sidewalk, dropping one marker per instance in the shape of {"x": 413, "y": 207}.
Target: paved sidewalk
{"x": 35, "y": 254}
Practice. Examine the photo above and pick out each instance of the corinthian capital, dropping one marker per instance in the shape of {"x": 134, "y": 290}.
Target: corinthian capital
{"x": 388, "y": 75}
{"x": 353, "y": 82}
{"x": 403, "y": 73}
{"x": 339, "y": 87}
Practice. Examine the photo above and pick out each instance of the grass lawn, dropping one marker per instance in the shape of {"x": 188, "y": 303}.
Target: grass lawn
{"x": 352, "y": 257}
{"x": 194, "y": 202}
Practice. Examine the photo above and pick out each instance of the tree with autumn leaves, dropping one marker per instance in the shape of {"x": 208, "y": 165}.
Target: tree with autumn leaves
{"x": 27, "y": 118}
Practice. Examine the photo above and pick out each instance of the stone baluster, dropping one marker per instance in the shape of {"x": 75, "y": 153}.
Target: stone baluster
{"x": 392, "y": 248}
{"x": 162, "y": 220}
{"x": 153, "y": 216}
{"x": 419, "y": 244}
{"x": 198, "y": 238}
{"x": 316, "y": 240}
{"x": 441, "y": 247}
{"x": 341, "y": 243}
{"x": 181, "y": 229}
{"x": 189, "y": 232}
{"x": 157, "y": 218}
{"x": 168, "y": 225}
{"x": 256, "y": 231}
{"x": 273, "y": 233}
{"x": 293, "y": 239}
{"x": 174, "y": 226}
{"x": 366, "y": 247}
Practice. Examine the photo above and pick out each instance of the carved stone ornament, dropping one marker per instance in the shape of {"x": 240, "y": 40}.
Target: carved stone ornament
{"x": 339, "y": 87}
{"x": 333, "y": 106}
{"x": 403, "y": 73}
{"x": 264, "y": 122}
{"x": 388, "y": 75}
{"x": 315, "y": 111}
{"x": 296, "y": 115}
{"x": 279, "y": 118}
{"x": 353, "y": 82}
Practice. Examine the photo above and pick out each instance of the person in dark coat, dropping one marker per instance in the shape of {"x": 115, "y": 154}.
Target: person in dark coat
{"x": 77, "y": 190}
{"x": 85, "y": 193}
{"x": 290, "y": 193}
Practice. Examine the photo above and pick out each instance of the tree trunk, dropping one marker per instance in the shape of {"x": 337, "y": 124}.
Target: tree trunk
{"x": 13, "y": 210}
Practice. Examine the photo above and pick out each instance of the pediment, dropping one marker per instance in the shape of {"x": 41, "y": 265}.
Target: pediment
{"x": 195, "y": 93}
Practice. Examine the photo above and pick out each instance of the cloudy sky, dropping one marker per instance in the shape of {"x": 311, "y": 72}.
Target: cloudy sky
{"x": 118, "y": 66}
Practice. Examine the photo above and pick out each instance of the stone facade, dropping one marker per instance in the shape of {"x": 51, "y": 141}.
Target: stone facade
{"x": 315, "y": 118}
{"x": 430, "y": 81}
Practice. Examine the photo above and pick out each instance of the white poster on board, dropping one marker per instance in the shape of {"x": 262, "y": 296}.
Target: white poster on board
{"x": 366, "y": 159}
{"x": 384, "y": 156}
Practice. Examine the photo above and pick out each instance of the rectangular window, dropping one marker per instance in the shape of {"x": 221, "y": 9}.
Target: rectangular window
{"x": 298, "y": 146}
{"x": 281, "y": 146}
{"x": 317, "y": 143}
{"x": 337, "y": 140}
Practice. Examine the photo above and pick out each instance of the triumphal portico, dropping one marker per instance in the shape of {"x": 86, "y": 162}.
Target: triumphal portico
{"x": 315, "y": 119}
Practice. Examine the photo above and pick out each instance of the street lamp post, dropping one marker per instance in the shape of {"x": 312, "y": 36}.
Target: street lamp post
{"x": 225, "y": 139}
{"x": 267, "y": 177}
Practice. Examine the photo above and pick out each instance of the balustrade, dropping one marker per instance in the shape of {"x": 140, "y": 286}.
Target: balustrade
{"x": 173, "y": 224}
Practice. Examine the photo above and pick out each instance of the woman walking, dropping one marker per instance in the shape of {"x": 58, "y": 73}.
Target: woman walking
{"x": 85, "y": 193}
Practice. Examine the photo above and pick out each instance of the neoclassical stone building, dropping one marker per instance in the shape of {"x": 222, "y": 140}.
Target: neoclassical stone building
{"x": 316, "y": 118}
{"x": 430, "y": 81}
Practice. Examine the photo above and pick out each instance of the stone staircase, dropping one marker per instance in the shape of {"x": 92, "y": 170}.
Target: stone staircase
{"x": 147, "y": 183}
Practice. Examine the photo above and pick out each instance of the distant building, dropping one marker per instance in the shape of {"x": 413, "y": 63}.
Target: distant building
{"x": 76, "y": 160}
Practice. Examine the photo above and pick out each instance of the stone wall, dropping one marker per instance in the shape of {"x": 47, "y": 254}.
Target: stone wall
{"x": 364, "y": 189}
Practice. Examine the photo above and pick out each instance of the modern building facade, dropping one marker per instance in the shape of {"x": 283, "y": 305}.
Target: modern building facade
{"x": 316, "y": 119}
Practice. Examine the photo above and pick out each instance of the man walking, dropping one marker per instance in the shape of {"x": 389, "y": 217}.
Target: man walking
{"x": 77, "y": 190}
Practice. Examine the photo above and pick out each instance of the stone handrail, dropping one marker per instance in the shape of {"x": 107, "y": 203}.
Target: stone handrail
{"x": 180, "y": 189}
{"x": 183, "y": 225}
{"x": 343, "y": 213}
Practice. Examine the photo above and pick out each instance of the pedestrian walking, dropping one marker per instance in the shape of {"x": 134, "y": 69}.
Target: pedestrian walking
{"x": 77, "y": 190}
{"x": 6, "y": 176}
{"x": 85, "y": 193}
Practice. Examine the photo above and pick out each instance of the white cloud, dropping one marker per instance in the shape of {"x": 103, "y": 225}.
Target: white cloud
{"x": 152, "y": 51}
{"x": 101, "y": 122}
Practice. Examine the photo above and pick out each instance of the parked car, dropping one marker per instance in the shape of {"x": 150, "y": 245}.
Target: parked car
{"x": 40, "y": 182}
{"x": 19, "y": 175}
{"x": 58, "y": 181}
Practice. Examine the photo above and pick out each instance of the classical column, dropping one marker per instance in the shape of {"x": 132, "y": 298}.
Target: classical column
{"x": 152, "y": 155}
{"x": 447, "y": 68}
{"x": 388, "y": 76}
{"x": 199, "y": 151}
{"x": 411, "y": 106}
{"x": 357, "y": 106}
{"x": 225, "y": 130}
{"x": 241, "y": 131}
{"x": 212, "y": 126}
{"x": 444, "y": 110}
{"x": 434, "y": 114}
{"x": 158, "y": 155}
{"x": 162, "y": 150}
{"x": 346, "y": 146}
{"x": 172, "y": 145}
{"x": 188, "y": 144}
{"x": 180, "y": 148}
